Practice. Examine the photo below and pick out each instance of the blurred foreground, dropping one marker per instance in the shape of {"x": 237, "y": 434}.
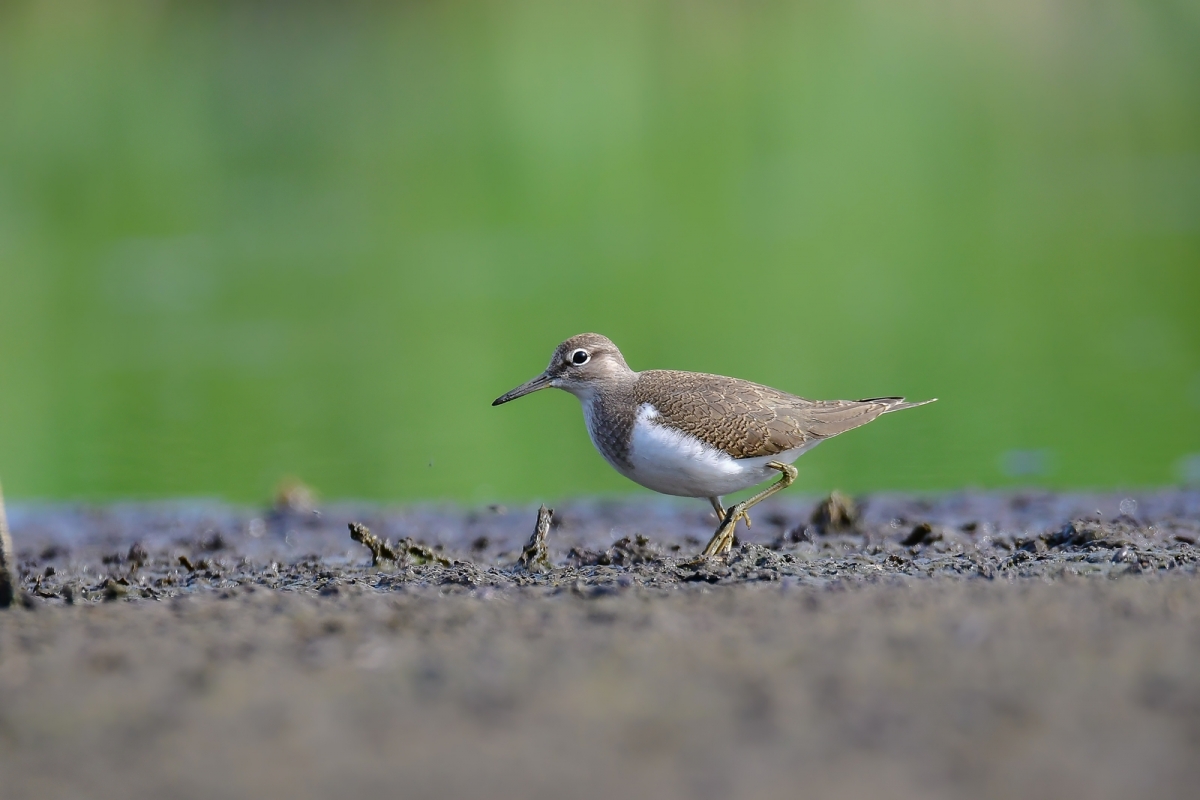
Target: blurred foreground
{"x": 998, "y": 646}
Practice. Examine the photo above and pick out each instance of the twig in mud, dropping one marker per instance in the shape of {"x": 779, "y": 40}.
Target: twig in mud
{"x": 380, "y": 549}
{"x": 8, "y": 567}
{"x": 535, "y": 557}
{"x": 405, "y": 549}
{"x": 421, "y": 553}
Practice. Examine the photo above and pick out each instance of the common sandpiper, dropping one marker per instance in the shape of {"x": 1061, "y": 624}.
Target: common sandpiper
{"x": 695, "y": 435}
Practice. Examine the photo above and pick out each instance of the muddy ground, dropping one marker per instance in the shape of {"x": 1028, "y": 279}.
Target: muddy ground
{"x": 1031, "y": 645}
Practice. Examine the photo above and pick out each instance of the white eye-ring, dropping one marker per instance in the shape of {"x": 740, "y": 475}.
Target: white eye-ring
{"x": 580, "y": 357}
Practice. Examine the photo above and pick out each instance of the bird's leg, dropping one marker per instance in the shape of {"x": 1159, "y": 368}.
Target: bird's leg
{"x": 722, "y": 540}
{"x": 716, "y": 504}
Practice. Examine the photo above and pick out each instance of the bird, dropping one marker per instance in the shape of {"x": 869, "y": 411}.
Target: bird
{"x": 692, "y": 434}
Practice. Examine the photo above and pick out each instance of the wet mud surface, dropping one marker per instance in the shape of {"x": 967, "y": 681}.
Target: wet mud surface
{"x": 1028, "y": 644}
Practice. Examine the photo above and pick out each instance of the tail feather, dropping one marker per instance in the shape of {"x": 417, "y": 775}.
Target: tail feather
{"x": 896, "y": 403}
{"x": 824, "y": 419}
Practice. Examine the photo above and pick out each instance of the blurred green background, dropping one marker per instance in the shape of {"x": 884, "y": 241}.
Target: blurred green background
{"x": 242, "y": 241}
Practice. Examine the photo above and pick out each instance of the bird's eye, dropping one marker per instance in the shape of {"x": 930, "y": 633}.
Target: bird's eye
{"x": 580, "y": 357}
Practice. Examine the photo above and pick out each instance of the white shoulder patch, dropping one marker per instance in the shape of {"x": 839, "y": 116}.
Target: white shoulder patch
{"x": 647, "y": 412}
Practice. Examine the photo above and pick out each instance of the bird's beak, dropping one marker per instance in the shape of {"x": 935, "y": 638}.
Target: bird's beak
{"x": 529, "y": 387}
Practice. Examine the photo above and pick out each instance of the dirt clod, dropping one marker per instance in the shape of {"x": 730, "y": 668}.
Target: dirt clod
{"x": 922, "y": 533}
{"x": 835, "y": 513}
{"x": 535, "y": 556}
{"x": 115, "y": 590}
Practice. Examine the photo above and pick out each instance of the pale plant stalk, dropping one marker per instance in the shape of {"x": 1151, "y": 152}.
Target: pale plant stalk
{"x": 8, "y": 567}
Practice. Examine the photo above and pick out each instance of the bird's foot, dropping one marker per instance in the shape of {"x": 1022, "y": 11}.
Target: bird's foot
{"x": 722, "y": 541}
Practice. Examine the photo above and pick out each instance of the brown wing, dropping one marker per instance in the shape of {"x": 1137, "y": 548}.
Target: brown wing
{"x": 749, "y": 420}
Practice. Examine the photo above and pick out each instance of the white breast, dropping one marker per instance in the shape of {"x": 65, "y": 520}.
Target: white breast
{"x": 672, "y": 462}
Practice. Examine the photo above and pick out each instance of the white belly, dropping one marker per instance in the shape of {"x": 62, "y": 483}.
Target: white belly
{"x": 671, "y": 462}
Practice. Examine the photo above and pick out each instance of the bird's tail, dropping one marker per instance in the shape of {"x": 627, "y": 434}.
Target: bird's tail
{"x": 896, "y": 403}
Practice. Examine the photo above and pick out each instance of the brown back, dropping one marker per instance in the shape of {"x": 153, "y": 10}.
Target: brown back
{"x": 749, "y": 420}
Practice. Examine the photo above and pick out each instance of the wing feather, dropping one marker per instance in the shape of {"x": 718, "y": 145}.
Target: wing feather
{"x": 749, "y": 420}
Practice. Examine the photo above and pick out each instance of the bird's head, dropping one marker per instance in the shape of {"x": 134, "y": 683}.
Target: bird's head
{"x": 579, "y": 365}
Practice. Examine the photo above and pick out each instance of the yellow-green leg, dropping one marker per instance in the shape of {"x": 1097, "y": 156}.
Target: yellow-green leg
{"x": 720, "y": 509}
{"x": 722, "y": 540}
